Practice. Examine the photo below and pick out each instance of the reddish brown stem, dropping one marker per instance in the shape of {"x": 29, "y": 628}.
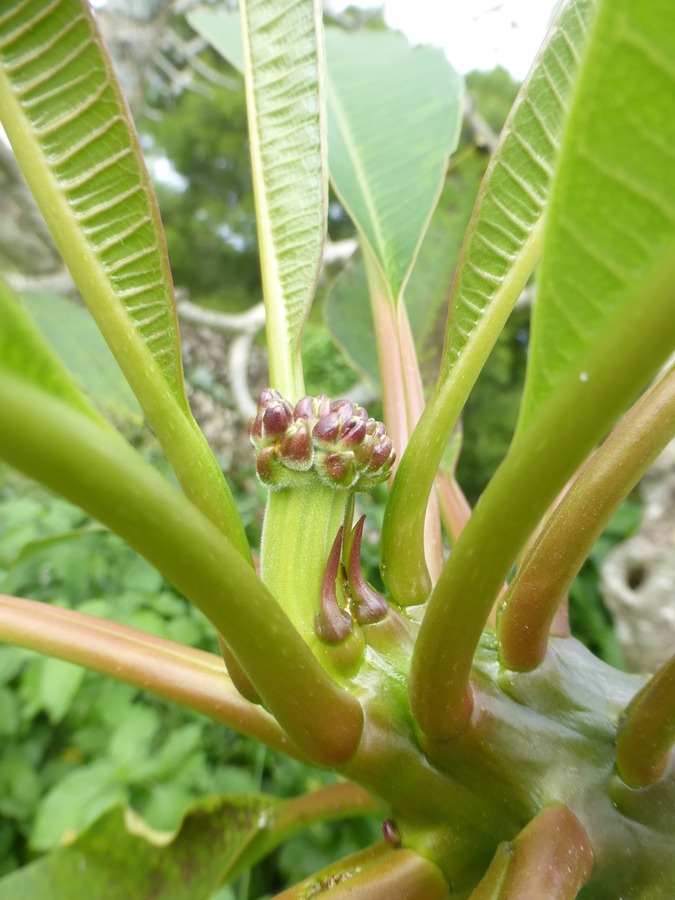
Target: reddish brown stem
{"x": 551, "y": 859}
{"x": 573, "y": 528}
{"x": 647, "y": 733}
{"x": 371, "y": 874}
{"x": 187, "y": 676}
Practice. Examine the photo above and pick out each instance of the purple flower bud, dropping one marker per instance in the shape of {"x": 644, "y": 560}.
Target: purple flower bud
{"x": 296, "y": 447}
{"x": 255, "y": 429}
{"x": 327, "y": 428}
{"x": 340, "y": 469}
{"x": 371, "y": 425}
{"x": 363, "y": 452}
{"x": 267, "y": 465}
{"x": 343, "y": 408}
{"x": 304, "y": 408}
{"x": 361, "y": 413}
{"x": 276, "y": 418}
{"x": 332, "y": 624}
{"x": 267, "y": 396}
{"x": 380, "y": 431}
{"x": 381, "y": 453}
{"x": 353, "y": 432}
{"x": 321, "y": 406}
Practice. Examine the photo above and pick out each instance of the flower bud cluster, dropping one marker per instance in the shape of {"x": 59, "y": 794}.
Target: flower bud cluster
{"x": 336, "y": 440}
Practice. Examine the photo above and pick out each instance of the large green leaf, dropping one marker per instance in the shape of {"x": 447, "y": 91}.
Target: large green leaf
{"x": 217, "y": 839}
{"x": 119, "y": 858}
{"x": 500, "y": 250}
{"x": 72, "y": 333}
{"x": 612, "y": 210}
{"x": 394, "y": 114}
{"x": 427, "y": 293}
{"x": 64, "y": 113}
{"x": 285, "y": 93}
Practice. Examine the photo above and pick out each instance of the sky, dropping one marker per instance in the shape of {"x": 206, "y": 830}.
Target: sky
{"x": 476, "y": 34}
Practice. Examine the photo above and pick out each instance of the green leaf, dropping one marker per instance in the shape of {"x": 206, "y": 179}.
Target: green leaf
{"x": 349, "y": 317}
{"x": 59, "y": 682}
{"x": 72, "y": 333}
{"x": 394, "y": 115}
{"x": 612, "y": 210}
{"x": 222, "y": 29}
{"x": 347, "y": 308}
{"x": 75, "y": 803}
{"x": 25, "y": 354}
{"x": 500, "y": 250}
{"x": 285, "y": 93}
{"x": 120, "y": 858}
{"x": 66, "y": 118}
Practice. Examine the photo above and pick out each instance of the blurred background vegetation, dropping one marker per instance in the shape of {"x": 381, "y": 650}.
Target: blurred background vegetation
{"x": 73, "y": 743}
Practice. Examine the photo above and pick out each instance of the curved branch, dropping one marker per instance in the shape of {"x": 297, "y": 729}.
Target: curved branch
{"x": 551, "y": 859}
{"x": 95, "y": 469}
{"x": 193, "y": 678}
{"x": 569, "y": 535}
{"x": 379, "y": 871}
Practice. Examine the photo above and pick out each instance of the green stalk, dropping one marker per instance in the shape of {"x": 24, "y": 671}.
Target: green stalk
{"x": 576, "y": 415}
{"x": 300, "y": 526}
{"x": 99, "y": 472}
{"x": 182, "y": 674}
{"x": 403, "y": 561}
{"x": 569, "y": 535}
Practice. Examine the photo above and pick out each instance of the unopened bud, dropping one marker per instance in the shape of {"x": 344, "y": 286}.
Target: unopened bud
{"x": 296, "y": 447}
{"x": 327, "y": 429}
{"x": 352, "y": 432}
{"x": 277, "y": 416}
{"x": 304, "y": 409}
{"x": 321, "y": 406}
{"x": 381, "y": 452}
{"x": 267, "y": 396}
{"x": 343, "y": 408}
{"x": 338, "y": 469}
{"x": 267, "y": 465}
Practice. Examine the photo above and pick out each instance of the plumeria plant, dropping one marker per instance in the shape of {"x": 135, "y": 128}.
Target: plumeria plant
{"x": 506, "y": 761}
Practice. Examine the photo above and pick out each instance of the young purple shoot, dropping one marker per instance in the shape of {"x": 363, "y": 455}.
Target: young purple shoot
{"x": 369, "y": 605}
{"x": 333, "y": 624}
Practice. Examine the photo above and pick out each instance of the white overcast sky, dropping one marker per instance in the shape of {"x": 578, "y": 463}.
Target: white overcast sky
{"x": 476, "y": 34}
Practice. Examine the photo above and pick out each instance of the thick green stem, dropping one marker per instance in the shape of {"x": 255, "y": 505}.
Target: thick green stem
{"x": 300, "y": 526}
{"x": 570, "y": 533}
{"x": 98, "y": 471}
{"x": 624, "y": 357}
{"x": 191, "y": 677}
{"x": 647, "y": 734}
